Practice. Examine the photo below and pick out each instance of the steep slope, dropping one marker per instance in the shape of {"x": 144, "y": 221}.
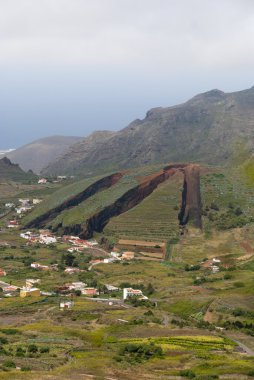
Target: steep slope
{"x": 206, "y": 129}
{"x": 12, "y": 172}
{"x": 40, "y": 153}
{"x": 132, "y": 192}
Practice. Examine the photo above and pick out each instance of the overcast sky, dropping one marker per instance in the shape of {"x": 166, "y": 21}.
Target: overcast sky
{"x": 69, "y": 67}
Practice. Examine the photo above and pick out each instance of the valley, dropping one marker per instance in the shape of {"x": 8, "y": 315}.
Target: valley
{"x": 179, "y": 234}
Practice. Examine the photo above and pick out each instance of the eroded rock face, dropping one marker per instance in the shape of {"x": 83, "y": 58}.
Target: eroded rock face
{"x": 191, "y": 197}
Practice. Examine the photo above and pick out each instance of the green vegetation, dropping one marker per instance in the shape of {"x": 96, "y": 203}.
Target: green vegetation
{"x": 154, "y": 219}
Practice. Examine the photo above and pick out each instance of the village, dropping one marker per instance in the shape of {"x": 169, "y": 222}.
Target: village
{"x": 33, "y": 287}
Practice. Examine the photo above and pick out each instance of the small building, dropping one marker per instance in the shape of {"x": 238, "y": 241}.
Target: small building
{"x": 39, "y": 266}
{"x": 215, "y": 268}
{"x": 46, "y": 239}
{"x": 42, "y": 181}
{"x": 96, "y": 261}
{"x": 116, "y": 255}
{"x": 216, "y": 261}
{"x": 2, "y": 273}
{"x": 111, "y": 288}
{"x": 26, "y": 235}
{"x": 71, "y": 270}
{"x": 24, "y": 202}
{"x": 23, "y": 209}
{"x": 30, "y": 282}
{"x": 36, "y": 201}
{"x": 89, "y": 292}
{"x": 13, "y": 224}
{"x": 129, "y": 292}
{"x": 65, "y": 305}
{"x": 128, "y": 255}
{"x": 109, "y": 260}
{"x": 29, "y": 292}
{"x": 77, "y": 285}
{"x": 92, "y": 242}
{"x": 9, "y": 205}
{"x": 75, "y": 249}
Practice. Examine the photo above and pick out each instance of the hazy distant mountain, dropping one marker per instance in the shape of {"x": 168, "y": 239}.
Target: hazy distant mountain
{"x": 12, "y": 172}
{"x": 208, "y": 128}
{"x": 40, "y": 153}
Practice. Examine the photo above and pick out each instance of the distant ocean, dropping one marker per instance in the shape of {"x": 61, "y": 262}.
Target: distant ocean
{"x": 5, "y": 151}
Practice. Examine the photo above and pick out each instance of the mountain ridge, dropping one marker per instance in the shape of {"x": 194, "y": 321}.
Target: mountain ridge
{"x": 204, "y": 129}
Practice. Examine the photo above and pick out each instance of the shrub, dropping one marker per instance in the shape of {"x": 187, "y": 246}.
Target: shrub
{"x": 25, "y": 369}
{"x": 3, "y": 340}
{"x": 32, "y": 348}
{"x": 238, "y": 284}
{"x": 137, "y": 353}
{"x": 214, "y": 206}
{"x": 187, "y": 373}
{"x": 44, "y": 350}
{"x": 9, "y": 364}
{"x": 9, "y": 331}
{"x": 20, "y": 351}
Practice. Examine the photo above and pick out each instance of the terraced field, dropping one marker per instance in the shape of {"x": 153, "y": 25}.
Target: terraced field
{"x": 95, "y": 203}
{"x": 60, "y": 196}
{"x": 155, "y": 219}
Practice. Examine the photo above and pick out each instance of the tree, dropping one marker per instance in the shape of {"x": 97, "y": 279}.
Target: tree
{"x": 150, "y": 289}
{"x": 68, "y": 259}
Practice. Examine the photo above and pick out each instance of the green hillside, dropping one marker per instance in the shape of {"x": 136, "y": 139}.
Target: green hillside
{"x": 156, "y": 218}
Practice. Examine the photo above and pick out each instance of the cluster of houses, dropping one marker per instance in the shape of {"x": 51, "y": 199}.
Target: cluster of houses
{"x": 9, "y": 290}
{"x": 44, "y": 237}
{"x": 41, "y": 267}
{"x": 77, "y": 286}
{"x": 212, "y": 264}
{"x": 78, "y": 245}
{"x": 24, "y": 206}
{"x": 115, "y": 256}
{"x": 59, "y": 178}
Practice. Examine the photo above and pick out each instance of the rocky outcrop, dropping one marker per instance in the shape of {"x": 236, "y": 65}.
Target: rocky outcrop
{"x": 191, "y": 197}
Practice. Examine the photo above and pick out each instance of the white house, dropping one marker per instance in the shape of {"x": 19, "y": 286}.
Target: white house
{"x": 111, "y": 288}
{"x": 24, "y": 202}
{"x": 215, "y": 268}
{"x": 66, "y": 305}
{"x": 129, "y": 292}
{"x": 9, "y": 205}
{"x": 30, "y": 282}
{"x": 72, "y": 270}
{"x": 77, "y": 285}
{"x": 108, "y": 260}
{"x": 42, "y": 180}
{"x": 45, "y": 239}
{"x": 116, "y": 255}
{"x": 36, "y": 201}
